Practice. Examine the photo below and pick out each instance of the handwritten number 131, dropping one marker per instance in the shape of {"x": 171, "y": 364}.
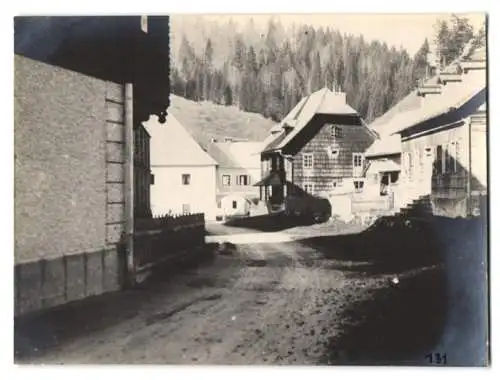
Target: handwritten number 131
{"x": 436, "y": 358}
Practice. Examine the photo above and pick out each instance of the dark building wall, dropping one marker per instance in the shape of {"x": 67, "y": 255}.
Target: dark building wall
{"x": 142, "y": 173}
{"x": 60, "y": 167}
{"x": 69, "y": 185}
{"x": 111, "y": 48}
{"x": 327, "y": 168}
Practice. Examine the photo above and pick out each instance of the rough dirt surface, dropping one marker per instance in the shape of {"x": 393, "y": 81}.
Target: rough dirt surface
{"x": 323, "y": 300}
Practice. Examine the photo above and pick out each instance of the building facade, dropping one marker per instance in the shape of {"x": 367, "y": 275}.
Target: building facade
{"x": 69, "y": 185}
{"x": 449, "y": 165}
{"x": 383, "y": 170}
{"x": 78, "y": 92}
{"x": 318, "y": 148}
{"x": 238, "y": 169}
{"x": 443, "y": 132}
{"x": 184, "y": 175}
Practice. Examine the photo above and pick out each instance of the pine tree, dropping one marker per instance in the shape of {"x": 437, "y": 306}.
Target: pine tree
{"x": 421, "y": 61}
{"x": 207, "y": 70}
{"x": 443, "y": 36}
{"x": 228, "y": 95}
{"x": 315, "y": 79}
{"x": 461, "y": 33}
{"x": 270, "y": 70}
{"x": 480, "y": 37}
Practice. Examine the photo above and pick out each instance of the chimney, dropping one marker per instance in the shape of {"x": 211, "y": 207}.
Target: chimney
{"x": 341, "y": 96}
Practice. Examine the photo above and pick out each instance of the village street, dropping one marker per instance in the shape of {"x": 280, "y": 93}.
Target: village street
{"x": 266, "y": 303}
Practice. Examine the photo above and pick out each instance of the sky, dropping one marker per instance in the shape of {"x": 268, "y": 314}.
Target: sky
{"x": 399, "y": 30}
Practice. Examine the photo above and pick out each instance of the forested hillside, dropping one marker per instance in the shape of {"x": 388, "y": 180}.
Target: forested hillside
{"x": 205, "y": 121}
{"x": 268, "y": 71}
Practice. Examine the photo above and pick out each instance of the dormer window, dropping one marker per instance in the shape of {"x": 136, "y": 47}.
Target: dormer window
{"x": 336, "y": 132}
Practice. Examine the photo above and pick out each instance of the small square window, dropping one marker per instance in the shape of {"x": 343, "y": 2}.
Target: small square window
{"x": 308, "y": 160}
{"x": 186, "y": 179}
{"x": 235, "y": 204}
{"x": 243, "y": 180}
{"x": 357, "y": 159}
{"x": 358, "y": 185}
{"x": 226, "y": 180}
{"x": 309, "y": 188}
{"x": 336, "y": 132}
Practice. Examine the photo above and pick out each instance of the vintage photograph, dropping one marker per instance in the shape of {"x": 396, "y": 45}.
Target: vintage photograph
{"x": 252, "y": 189}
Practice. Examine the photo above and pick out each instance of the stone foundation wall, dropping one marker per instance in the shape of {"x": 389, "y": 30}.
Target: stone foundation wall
{"x": 47, "y": 283}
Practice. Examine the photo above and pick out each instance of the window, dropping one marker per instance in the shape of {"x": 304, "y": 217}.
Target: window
{"x": 452, "y": 164}
{"x": 448, "y": 159}
{"x": 357, "y": 159}
{"x": 219, "y": 204}
{"x": 243, "y": 180}
{"x": 309, "y": 187}
{"x": 336, "y": 132}
{"x": 185, "y": 209}
{"x": 458, "y": 156}
{"x": 358, "y": 164}
{"x": 416, "y": 159}
{"x": 358, "y": 186}
{"x": 394, "y": 176}
{"x": 186, "y": 179}
{"x": 276, "y": 163}
{"x": 335, "y": 152}
{"x": 410, "y": 165}
{"x": 226, "y": 180}
{"x": 235, "y": 204}
{"x": 307, "y": 160}
{"x": 438, "y": 164}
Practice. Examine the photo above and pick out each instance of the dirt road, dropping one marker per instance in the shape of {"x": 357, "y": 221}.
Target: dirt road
{"x": 266, "y": 303}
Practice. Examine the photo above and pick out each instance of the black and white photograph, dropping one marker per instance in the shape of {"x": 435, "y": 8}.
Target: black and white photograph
{"x": 252, "y": 189}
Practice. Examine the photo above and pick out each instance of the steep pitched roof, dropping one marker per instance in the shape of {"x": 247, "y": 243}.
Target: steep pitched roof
{"x": 385, "y": 146}
{"x": 323, "y": 101}
{"x": 453, "y": 95}
{"x": 172, "y": 145}
{"x": 414, "y": 109}
{"x": 241, "y": 154}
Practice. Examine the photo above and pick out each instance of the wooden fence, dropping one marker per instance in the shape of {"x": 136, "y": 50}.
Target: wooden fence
{"x": 162, "y": 238}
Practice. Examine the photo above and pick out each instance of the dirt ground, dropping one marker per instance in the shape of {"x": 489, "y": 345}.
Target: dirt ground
{"x": 302, "y": 302}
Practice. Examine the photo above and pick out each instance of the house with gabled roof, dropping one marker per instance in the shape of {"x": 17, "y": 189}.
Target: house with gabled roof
{"x": 238, "y": 169}
{"x": 184, "y": 175}
{"x": 316, "y": 148}
{"x": 442, "y": 129}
